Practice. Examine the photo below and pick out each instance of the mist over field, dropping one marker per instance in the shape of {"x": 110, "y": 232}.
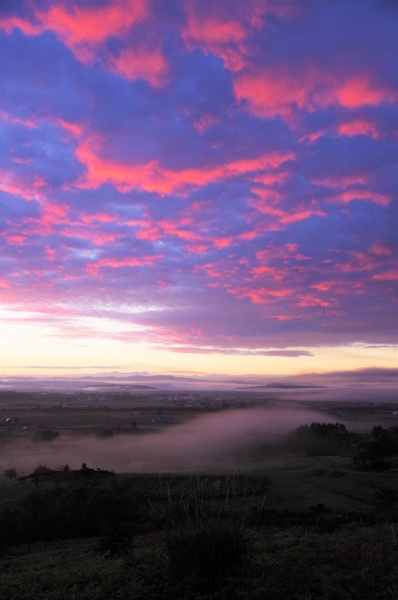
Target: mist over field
{"x": 204, "y": 442}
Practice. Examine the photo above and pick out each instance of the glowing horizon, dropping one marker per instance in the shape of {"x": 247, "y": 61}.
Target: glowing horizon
{"x": 198, "y": 186}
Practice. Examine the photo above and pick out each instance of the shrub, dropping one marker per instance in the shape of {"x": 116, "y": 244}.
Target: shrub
{"x": 115, "y": 541}
{"x": 209, "y": 551}
{"x": 73, "y": 512}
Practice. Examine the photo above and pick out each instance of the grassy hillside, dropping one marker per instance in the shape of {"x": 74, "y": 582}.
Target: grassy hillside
{"x": 313, "y": 517}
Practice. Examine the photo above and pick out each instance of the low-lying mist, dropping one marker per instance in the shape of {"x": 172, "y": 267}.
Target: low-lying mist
{"x": 204, "y": 442}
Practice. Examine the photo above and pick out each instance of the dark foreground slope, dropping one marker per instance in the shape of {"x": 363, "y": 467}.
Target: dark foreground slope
{"x": 321, "y": 529}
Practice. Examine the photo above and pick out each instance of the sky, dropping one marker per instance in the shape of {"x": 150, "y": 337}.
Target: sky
{"x": 202, "y": 186}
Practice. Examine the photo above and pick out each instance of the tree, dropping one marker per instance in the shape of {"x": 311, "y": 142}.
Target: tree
{"x": 37, "y": 472}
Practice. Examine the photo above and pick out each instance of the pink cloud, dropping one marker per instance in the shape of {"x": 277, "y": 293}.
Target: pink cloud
{"x": 259, "y": 295}
{"x": 152, "y": 177}
{"x": 224, "y": 29}
{"x": 115, "y": 263}
{"x": 9, "y": 24}
{"x": 17, "y": 185}
{"x": 99, "y": 218}
{"x": 84, "y": 28}
{"x": 223, "y": 242}
{"x": 324, "y": 286}
{"x": 276, "y": 91}
{"x": 220, "y": 36}
{"x": 51, "y": 253}
{"x": 387, "y": 276}
{"x": 15, "y": 239}
{"x": 204, "y": 122}
{"x": 287, "y": 218}
{"x": 368, "y": 195}
{"x": 343, "y": 182}
{"x": 350, "y": 188}
{"x": 380, "y": 250}
{"x": 141, "y": 63}
{"x": 5, "y": 116}
{"x": 360, "y": 262}
{"x": 310, "y": 300}
{"x": 74, "y": 128}
{"x": 360, "y": 91}
{"x": 359, "y": 127}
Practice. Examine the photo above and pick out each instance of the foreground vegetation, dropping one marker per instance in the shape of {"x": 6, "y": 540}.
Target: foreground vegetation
{"x": 327, "y": 531}
{"x": 190, "y": 551}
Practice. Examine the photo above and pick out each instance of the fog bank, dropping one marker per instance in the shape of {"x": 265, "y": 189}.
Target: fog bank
{"x": 207, "y": 441}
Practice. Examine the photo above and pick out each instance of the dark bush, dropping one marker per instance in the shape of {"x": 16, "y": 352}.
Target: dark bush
{"x": 10, "y": 473}
{"x": 209, "y": 551}
{"x": 45, "y": 435}
{"x": 73, "y": 512}
{"x": 115, "y": 540}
